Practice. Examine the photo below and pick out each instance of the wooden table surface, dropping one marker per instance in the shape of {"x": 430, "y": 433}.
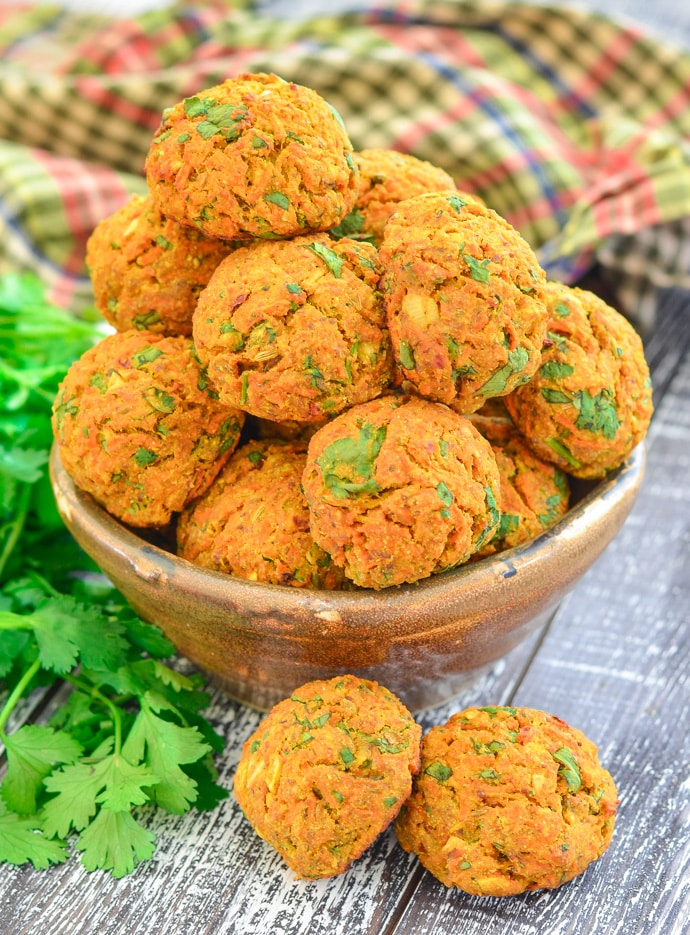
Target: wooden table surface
{"x": 614, "y": 661}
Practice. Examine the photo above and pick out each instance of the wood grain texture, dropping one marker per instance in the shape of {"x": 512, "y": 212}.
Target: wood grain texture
{"x": 614, "y": 661}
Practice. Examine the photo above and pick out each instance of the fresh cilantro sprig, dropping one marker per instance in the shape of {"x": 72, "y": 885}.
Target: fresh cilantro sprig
{"x": 131, "y": 732}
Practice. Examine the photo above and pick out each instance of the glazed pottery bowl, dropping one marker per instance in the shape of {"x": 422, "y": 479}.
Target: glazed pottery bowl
{"x": 424, "y": 641}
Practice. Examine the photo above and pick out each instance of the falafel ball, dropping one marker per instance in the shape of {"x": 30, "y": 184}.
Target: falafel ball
{"x": 147, "y": 271}
{"x": 138, "y": 427}
{"x": 253, "y": 521}
{"x": 387, "y": 177}
{"x": 508, "y": 800}
{"x": 255, "y": 156}
{"x": 400, "y": 488}
{"x": 326, "y": 772}
{"x": 295, "y": 329}
{"x": 590, "y": 401}
{"x": 534, "y": 493}
{"x": 464, "y": 300}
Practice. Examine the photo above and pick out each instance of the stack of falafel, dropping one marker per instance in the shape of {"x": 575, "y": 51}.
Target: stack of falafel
{"x": 333, "y": 368}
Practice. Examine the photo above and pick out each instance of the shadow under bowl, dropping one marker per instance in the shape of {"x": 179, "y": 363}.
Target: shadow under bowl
{"x": 425, "y": 642}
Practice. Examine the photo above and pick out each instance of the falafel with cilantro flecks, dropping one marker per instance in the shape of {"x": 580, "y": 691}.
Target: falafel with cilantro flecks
{"x": 464, "y": 300}
{"x": 590, "y": 401}
{"x": 139, "y": 428}
{"x": 400, "y": 488}
{"x": 326, "y": 771}
{"x": 508, "y": 800}
{"x": 255, "y": 156}
{"x": 253, "y": 521}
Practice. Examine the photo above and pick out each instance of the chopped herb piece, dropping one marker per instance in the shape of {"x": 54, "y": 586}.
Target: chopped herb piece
{"x": 278, "y": 198}
{"x": 346, "y": 459}
{"x": 347, "y": 756}
{"x": 465, "y": 865}
{"x": 497, "y": 382}
{"x": 330, "y": 258}
{"x": 478, "y": 269}
{"x": 446, "y": 497}
{"x": 489, "y": 774}
{"x": 555, "y": 370}
{"x": 561, "y": 310}
{"x": 439, "y": 771}
{"x": 194, "y": 107}
{"x": 100, "y": 382}
{"x": 143, "y": 321}
{"x": 293, "y": 287}
{"x": 244, "y": 386}
{"x": 144, "y": 457}
{"x": 597, "y": 413}
{"x": 456, "y": 203}
{"x": 569, "y": 769}
{"x": 146, "y": 356}
{"x": 406, "y": 355}
{"x": 159, "y": 400}
{"x": 555, "y": 396}
{"x": 255, "y": 457}
{"x": 390, "y": 801}
{"x": 164, "y": 242}
{"x": 556, "y": 445}
{"x": 492, "y": 710}
{"x": 350, "y": 226}
{"x": 508, "y": 525}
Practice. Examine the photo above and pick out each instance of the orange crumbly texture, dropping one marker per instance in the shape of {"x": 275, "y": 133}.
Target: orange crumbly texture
{"x": 138, "y": 428}
{"x": 326, "y": 772}
{"x": 386, "y": 178}
{"x": 295, "y": 329}
{"x": 400, "y": 488}
{"x": 464, "y": 300}
{"x": 534, "y": 493}
{"x": 590, "y": 402}
{"x": 253, "y": 521}
{"x": 508, "y": 800}
{"x": 147, "y": 271}
{"x": 255, "y": 156}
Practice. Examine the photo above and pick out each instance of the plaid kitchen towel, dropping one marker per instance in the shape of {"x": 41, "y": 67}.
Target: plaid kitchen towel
{"x": 575, "y": 128}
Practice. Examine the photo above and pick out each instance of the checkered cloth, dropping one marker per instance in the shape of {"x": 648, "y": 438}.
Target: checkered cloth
{"x": 575, "y": 128}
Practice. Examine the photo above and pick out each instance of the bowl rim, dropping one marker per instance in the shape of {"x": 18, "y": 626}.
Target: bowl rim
{"x": 535, "y": 560}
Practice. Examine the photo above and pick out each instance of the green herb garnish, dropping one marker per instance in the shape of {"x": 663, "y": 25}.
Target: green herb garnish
{"x": 130, "y": 732}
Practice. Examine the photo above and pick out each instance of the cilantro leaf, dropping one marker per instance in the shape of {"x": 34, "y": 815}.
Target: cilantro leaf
{"x": 165, "y": 746}
{"x": 115, "y": 841}
{"x": 32, "y": 753}
{"x": 21, "y": 842}
{"x": 112, "y": 781}
{"x": 67, "y": 631}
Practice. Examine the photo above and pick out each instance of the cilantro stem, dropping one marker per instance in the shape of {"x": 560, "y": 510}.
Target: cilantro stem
{"x": 106, "y": 702}
{"x": 17, "y": 524}
{"x": 44, "y": 583}
{"x": 16, "y": 694}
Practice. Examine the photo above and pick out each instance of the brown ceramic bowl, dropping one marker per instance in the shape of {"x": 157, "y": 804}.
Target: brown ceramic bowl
{"x": 424, "y": 641}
